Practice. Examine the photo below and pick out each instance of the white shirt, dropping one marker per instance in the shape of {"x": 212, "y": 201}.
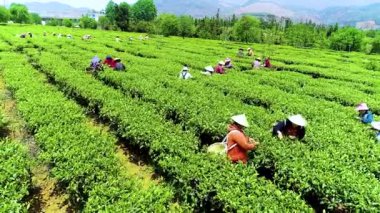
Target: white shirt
{"x": 185, "y": 75}
{"x": 256, "y": 64}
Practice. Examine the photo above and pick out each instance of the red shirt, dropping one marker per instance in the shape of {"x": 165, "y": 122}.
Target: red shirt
{"x": 110, "y": 62}
{"x": 219, "y": 69}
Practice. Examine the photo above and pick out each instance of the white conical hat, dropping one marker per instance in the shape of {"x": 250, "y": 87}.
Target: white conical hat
{"x": 221, "y": 62}
{"x": 185, "y": 68}
{"x": 209, "y": 69}
{"x": 241, "y": 119}
{"x": 298, "y": 120}
{"x": 362, "y": 106}
{"x": 376, "y": 125}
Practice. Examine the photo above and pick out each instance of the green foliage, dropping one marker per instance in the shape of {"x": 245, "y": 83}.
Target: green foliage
{"x": 347, "y": 39}
{"x": 87, "y": 23}
{"x": 111, "y": 11}
{"x": 168, "y": 24}
{"x": 186, "y": 26}
{"x": 4, "y": 15}
{"x": 247, "y": 29}
{"x": 53, "y": 22}
{"x": 67, "y": 23}
{"x": 15, "y": 179}
{"x": 145, "y": 27}
{"x": 376, "y": 45}
{"x": 144, "y": 10}
{"x": 35, "y": 18}
{"x": 122, "y": 16}
{"x": 105, "y": 23}
{"x": 19, "y": 13}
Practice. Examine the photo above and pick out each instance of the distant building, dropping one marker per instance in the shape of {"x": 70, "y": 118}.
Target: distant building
{"x": 96, "y": 14}
{"x": 367, "y": 25}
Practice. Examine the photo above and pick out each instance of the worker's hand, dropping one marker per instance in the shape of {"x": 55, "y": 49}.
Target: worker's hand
{"x": 280, "y": 136}
{"x": 292, "y": 137}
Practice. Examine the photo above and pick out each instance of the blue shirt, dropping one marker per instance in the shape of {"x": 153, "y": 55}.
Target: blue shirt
{"x": 367, "y": 118}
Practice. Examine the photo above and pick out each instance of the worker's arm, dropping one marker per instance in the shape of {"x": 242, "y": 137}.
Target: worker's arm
{"x": 278, "y": 129}
{"x": 242, "y": 141}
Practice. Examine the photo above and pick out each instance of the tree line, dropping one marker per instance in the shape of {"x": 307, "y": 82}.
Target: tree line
{"x": 143, "y": 17}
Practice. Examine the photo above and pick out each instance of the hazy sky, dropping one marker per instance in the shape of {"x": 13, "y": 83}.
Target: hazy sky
{"x": 316, "y": 4}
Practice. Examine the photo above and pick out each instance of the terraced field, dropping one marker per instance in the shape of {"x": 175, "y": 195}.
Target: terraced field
{"x": 90, "y": 129}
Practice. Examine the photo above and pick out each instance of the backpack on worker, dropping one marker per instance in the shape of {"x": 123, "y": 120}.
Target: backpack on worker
{"x": 221, "y": 148}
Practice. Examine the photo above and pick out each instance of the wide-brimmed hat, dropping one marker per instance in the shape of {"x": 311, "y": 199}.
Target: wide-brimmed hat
{"x": 298, "y": 120}
{"x": 376, "y": 125}
{"x": 228, "y": 60}
{"x": 241, "y": 120}
{"x": 249, "y": 49}
{"x": 108, "y": 57}
{"x": 185, "y": 68}
{"x": 258, "y": 59}
{"x": 117, "y": 59}
{"x": 209, "y": 69}
{"x": 221, "y": 63}
{"x": 362, "y": 106}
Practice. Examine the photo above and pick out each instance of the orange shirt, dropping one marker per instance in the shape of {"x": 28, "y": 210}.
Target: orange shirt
{"x": 240, "y": 151}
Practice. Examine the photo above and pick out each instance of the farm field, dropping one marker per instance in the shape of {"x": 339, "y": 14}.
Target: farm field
{"x": 90, "y": 129}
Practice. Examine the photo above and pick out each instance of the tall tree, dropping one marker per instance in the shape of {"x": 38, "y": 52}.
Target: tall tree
{"x": 144, "y": 10}
{"x": 347, "y": 39}
{"x": 186, "y": 26}
{"x": 87, "y": 22}
{"x": 111, "y": 11}
{"x": 19, "y": 13}
{"x": 67, "y": 23}
{"x": 4, "y": 14}
{"x": 168, "y": 24}
{"x": 104, "y": 23}
{"x": 35, "y": 18}
{"x": 247, "y": 29}
{"x": 122, "y": 17}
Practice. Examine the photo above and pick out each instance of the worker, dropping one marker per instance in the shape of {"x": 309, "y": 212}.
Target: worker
{"x": 23, "y": 35}
{"x": 376, "y": 127}
{"x": 238, "y": 144}
{"x": 293, "y": 127}
{"x": 250, "y": 52}
{"x": 110, "y": 62}
{"x": 30, "y": 34}
{"x": 240, "y": 54}
{"x": 69, "y": 36}
{"x": 365, "y": 115}
{"x": 219, "y": 68}
{"x": 257, "y": 63}
{"x": 267, "y": 63}
{"x": 228, "y": 63}
{"x": 117, "y": 39}
{"x": 185, "y": 73}
{"x": 119, "y": 66}
{"x": 45, "y": 33}
{"x": 208, "y": 70}
{"x": 95, "y": 65}
{"x": 86, "y": 37}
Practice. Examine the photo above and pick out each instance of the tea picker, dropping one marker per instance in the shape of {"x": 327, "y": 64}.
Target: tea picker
{"x": 365, "y": 114}
{"x": 236, "y": 144}
{"x": 185, "y": 73}
{"x": 208, "y": 70}
{"x": 119, "y": 66}
{"x": 294, "y": 127}
{"x": 95, "y": 65}
{"x": 220, "y": 68}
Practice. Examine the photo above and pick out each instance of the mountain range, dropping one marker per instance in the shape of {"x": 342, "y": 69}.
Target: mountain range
{"x": 348, "y": 15}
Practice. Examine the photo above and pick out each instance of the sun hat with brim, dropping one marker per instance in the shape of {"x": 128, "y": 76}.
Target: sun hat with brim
{"x": 185, "y": 69}
{"x": 249, "y": 49}
{"x": 298, "y": 120}
{"x": 221, "y": 63}
{"x": 209, "y": 69}
{"x": 228, "y": 60}
{"x": 108, "y": 57}
{"x": 376, "y": 125}
{"x": 241, "y": 120}
{"x": 258, "y": 59}
{"x": 117, "y": 59}
{"x": 362, "y": 106}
